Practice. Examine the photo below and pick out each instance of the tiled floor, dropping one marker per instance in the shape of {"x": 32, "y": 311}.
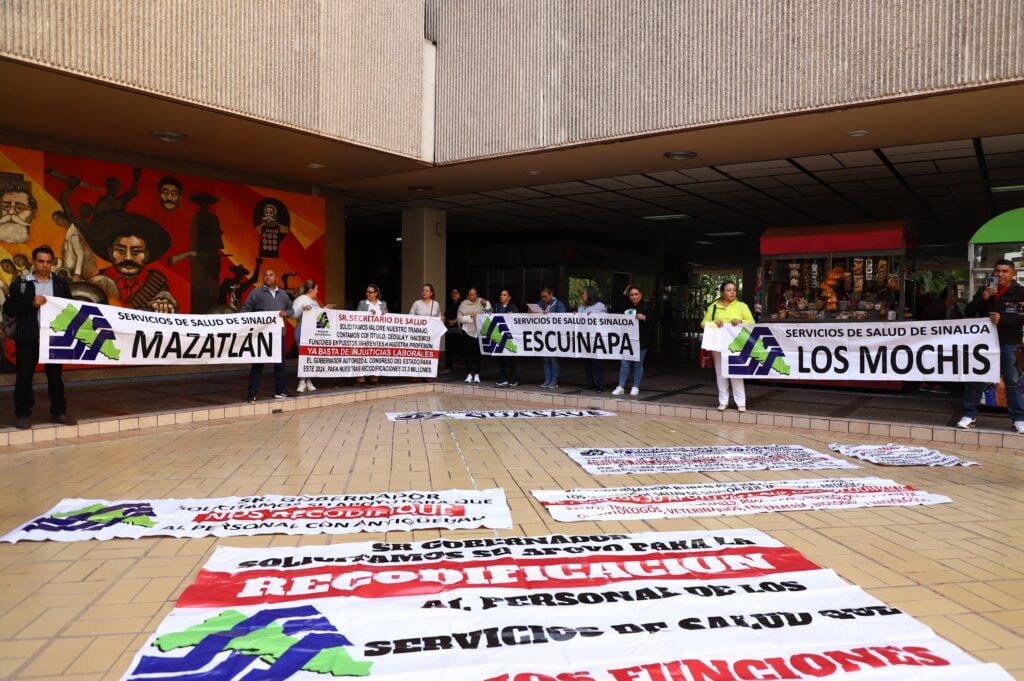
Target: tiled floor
{"x": 81, "y": 610}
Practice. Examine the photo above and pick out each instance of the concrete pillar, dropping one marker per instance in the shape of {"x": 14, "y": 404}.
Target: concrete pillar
{"x": 334, "y": 249}
{"x": 424, "y": 235}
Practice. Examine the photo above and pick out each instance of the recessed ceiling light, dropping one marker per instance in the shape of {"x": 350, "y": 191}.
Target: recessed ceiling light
{"x": 856, "y": 133}
{"x": 1008, "y": 188}
{"x": 680, "y": 155}
{"x": 725, "y": 234}
{"x": 704, "y": 243}
{"x": 420, "y": 188}
{"x": 398, "y": 238}
{"x": 668, "y": 216}
{"x": 168, "y": 135}
{"x": 315, "y": 166}
{"x": 533, "y": 172}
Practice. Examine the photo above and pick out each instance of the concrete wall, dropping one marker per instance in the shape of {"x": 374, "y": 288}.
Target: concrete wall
{"x": 350, "y": 69}
{"x": 521, "y": 75}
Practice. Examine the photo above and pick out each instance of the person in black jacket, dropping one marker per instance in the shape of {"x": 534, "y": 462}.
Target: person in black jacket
{"x": 648, "y": 318}
{"x": 28, "y": 294}
{"x": 508, "y": 377}
{"x": 1002, "y": 300}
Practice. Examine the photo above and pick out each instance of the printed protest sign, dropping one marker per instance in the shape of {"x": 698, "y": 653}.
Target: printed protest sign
{"x": 894, "y": 454}
{"x": 342, "y": 343}
{"x": 630, "y": 460}
{"x": 73, "y": 331}
{"x": 499, "y": 414}
{"x": 935, "y": 351}
{"x": 649, "y": 607}
{"x": 728, "y": 498}
{"x": 600, "y": 336}
{"x": 82, "y": 519}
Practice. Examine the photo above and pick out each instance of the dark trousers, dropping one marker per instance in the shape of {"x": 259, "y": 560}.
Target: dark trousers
{"x": 256, "y": 373}
{"x": 595, "y": 373}
{"x": 452, "y": 347}
{"x": 24, "y": 399}
{"x": 507, "y": 369}
{"x": 472, "y": 350}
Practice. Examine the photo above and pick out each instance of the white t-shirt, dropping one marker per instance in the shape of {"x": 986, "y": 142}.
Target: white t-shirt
{"x": 373, "y": 308}
{"x": 422, "y": 308}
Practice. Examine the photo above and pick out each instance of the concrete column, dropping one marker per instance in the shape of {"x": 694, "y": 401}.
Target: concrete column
{"x": 334, "y": 249}
{"x": 424, "y": 238}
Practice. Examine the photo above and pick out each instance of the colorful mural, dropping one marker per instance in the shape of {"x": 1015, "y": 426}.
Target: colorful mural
{"x": 149, "y": 239}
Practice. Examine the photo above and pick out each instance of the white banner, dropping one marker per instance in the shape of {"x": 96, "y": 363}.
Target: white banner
{"x": 342, "y": 343}
{"x": 728, "y": 498}
{"x": 83, "y": 519}
{"x": 894, "y": 454}
{"x": 730, "y": 604}
{"x": 503, "y": 414}
{"x": 629, "y": 460}
{"x": 959, "y": 350}
{"x": 600, "y": 336}
{"x": 74, "y": 331}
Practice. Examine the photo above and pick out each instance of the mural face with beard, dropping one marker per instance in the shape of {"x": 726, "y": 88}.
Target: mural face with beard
{"x": 17, "y": 210}
{"x": 129, "y": 254}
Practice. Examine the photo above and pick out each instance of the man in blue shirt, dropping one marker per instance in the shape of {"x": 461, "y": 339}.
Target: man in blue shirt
{"x": 268, "y": 298}
{"x": 550, "y": 305}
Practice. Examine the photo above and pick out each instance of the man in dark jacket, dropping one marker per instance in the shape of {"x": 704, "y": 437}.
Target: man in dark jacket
{"x": 28, "y": 293}
{"x": 647, "y": 317}
{"x": 1002, "y": 300}
{"x": 268, "y": 298}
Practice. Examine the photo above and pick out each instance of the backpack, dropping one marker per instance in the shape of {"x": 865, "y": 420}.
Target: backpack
{"x": 10, "y": 322}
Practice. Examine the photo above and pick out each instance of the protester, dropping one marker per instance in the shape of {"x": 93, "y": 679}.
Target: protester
{"x": 469, "y": 309}
{"x": 728, "y": 310}
{"x": 268, "y": 298}
{"x": 938, "y": 308}
{"x": 591, "y": 304}
{"x": 647, "y": 317}
{"x": 28, "y": 293}
{"x": 550, "y": 305}
{"x": 508, "y": 377}
{"x": 426, "y": 306}
{"x": 453, "y": 334}
{"x": 305, "y": 302}
{"x": 374, "y": 305}
{"x": 1002, "y": 299}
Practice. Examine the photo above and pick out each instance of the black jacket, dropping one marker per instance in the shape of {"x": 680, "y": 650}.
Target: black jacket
{"x": 647, "y": 325}
{"x": 19, "y": 305}
{"x": 1010, "y": 309}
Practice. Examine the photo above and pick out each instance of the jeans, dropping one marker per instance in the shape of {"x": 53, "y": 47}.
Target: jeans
{"x": 637, "y": 367}
{"x": 256, "y": 373}
{"x": 551, "y": 370}
{"x": 25, "y": 362}
{"x": 595, "y": 373}
{"x": 1011, "y": 378}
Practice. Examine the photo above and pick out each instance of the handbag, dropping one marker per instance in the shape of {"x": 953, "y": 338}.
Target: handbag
{"x": 706, "y": 360}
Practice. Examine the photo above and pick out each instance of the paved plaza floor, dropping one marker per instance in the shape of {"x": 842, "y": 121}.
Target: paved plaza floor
{"x": 80, "y": 611}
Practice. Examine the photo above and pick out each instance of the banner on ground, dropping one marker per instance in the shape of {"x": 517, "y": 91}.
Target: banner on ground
{"x": 342, "y": 343}
{"x": 894, "y": 454}
{"x": 79, "y": 332}
{"x": 501, "y": 414}
{"x": 728, "y": 498}
{"x": 599, "y": 336}
{"x": 954, "y": 351}
{"x": 630, "y": 460}
{"x": 82, "y": 519}
{"x": 729, "y": 604}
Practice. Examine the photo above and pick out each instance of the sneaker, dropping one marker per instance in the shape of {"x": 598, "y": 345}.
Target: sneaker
{"x": 469, "y": 378}
{"x": 634, "y": 391}
{"x": 966, "y": 423}
{"x": 544, "y": 384}
{"x": 741, "y": 408}
{"x": 501, "y": 384}
{"x": 64, "y": 420}
{"x": 309, "y": 385}
{"x": 514, "y": 384}
{"x": 1019, "y": 427}
{"x": 281, "y": 396}
{"x": 723, "y": 407}
{"x": 23, "y": 423}
{"x": 618, "y": 390}
{"x": 251, "y": 399}
{"x": 476, "y": 378}
{"x": 302, "y": 387}
{"x": 552, "y": 386}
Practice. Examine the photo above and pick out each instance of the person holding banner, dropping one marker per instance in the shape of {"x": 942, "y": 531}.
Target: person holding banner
{"x": 590, "y": 304}
{"x": 508, "y": 377}
{"x": 469, "y": 309}
{"x": 550, "y": 305}
{"x": 268, "y": 298}
{"x": 426, "y": 306}
{"x": 1002, "y": 300}
{"x": 374, "y": 305}
{"x": 28, "y": 293}
{"x": 728, "y": 310}
{"x": 647, "y": 318}
{"x": 305, "y": 302}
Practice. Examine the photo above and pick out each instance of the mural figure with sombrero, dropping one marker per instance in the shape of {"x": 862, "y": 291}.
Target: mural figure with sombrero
{"x": 131, "y": 241}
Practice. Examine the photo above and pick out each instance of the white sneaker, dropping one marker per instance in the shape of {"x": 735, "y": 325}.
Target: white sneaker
{"x": 967, "y": 423}
{"x": 741, "y": 408}
{"x": 302, "y": 386}
{"x": 469, "y": 378}
{"x": 309, "y": 385}
{"x": 723, "y": 407}
{"x": 618, "y": 390}
{"x": 1019, "y": 427}
{"x": 634, "y": 391}
{"x": 476, "y": 378}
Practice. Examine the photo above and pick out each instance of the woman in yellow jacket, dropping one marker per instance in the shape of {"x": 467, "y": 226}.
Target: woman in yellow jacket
{"x": 728, "y": 310}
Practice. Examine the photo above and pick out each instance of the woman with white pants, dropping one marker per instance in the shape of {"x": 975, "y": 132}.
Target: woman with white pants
{"x": 728, "y": 310}
{"x": 306, "y": 302}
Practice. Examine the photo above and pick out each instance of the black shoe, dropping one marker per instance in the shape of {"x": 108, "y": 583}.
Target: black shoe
{"x": 23, "y": 423}
{"x": 65, "y": 420}
{"x": 251, "y": 399}
{"x": 281, "y": 396}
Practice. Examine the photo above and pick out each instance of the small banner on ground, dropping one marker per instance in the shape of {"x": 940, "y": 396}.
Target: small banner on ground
{"x": 630, "y": 460}
{"x": 725, "y": 605}
{"x": 503, "y": 414}
{"x": 894, "y": 454}
{"x": 728, "y": 498}
{"x": 599, "y": 336}
{"x": 341, "y": 343}
{"x": 953, "y": 351}
{"x": 74, "y": 331}
{"x": 454, "y": 509}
